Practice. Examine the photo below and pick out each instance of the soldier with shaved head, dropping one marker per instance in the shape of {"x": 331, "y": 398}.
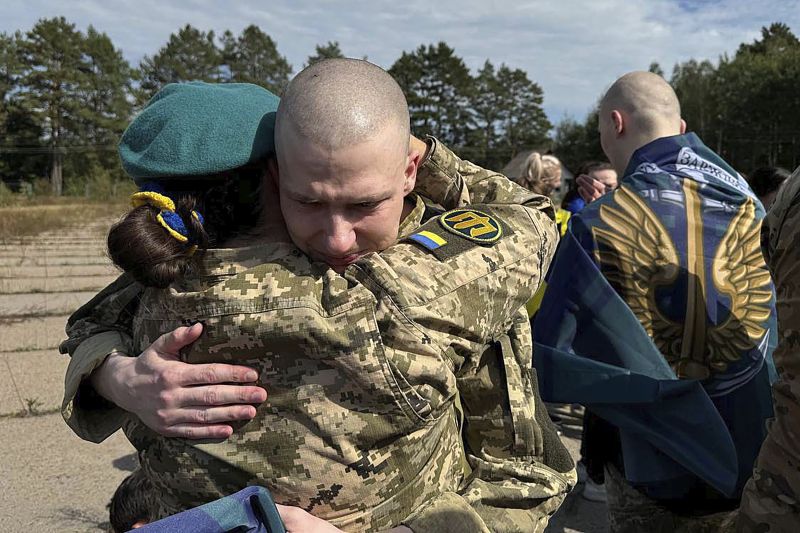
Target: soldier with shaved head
{"x": 342, "y": 143}
{"x": 676, "y": 247}
{"x": 388, "y": 329}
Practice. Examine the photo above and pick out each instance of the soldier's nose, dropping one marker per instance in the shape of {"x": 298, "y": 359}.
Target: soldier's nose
{"x": 340, "y": 238}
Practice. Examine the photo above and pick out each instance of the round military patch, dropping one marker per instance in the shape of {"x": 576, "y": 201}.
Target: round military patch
{"x": 472, "y": 224}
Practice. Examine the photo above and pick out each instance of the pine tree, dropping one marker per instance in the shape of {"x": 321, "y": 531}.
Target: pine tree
{"x": 189, "y": 55}
{"x": 438, "y": 87}
{"x": 49, "y": 83}
{"x": 253, "y": 57}
{"x": 525, "y": 124}
{"x": 486, "y": 109}
{"x": 330, "y": 50}
{"x": 19, "y": 129}
{"x": 105, "y": 92}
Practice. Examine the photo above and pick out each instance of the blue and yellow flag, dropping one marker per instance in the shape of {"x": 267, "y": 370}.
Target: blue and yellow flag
{"x": 659, "y": 316}
{"x": 250, "y": 510}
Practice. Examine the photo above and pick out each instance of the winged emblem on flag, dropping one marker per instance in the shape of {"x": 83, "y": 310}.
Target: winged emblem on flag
{"x": 639, "y": 257}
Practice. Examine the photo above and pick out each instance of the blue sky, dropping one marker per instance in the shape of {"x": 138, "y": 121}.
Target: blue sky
{"x": 573, "y": 48}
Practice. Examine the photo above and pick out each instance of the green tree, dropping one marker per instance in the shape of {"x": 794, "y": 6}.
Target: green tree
{"x": 49, "y": 84}
{"x": 577, "y": 142}
{"x": 525, "y": 124}
{"x": 253, "y": 58}
{"x": 487, "y": 115}
{"x": 105, "y": 93}
{"x": 19, "y": 131}
{"x": 188, "y": 55}
{"x": 694, "y": 83}
{"x": 330, "y": 50}
{"x": 758, "y": 106}
{"x": 439, "y": 88}
{"x": 655, "y": 68}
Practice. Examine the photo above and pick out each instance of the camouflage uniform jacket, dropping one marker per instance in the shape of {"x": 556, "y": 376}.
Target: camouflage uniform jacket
{"x": 771, "y": 499}
{"x": 368, "y": 372}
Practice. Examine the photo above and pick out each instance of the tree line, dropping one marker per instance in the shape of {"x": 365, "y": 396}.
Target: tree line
{"x": 67, "y": 95}
{"x": 746, "y": 107}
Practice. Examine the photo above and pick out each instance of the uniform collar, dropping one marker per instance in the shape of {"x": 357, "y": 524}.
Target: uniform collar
{"x": 414, "y": 218}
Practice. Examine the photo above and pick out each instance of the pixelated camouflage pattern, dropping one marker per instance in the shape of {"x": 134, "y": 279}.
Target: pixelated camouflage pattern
{"x": 630, "y": 511}
{"x": 771, "y": 499}
{"x": 369, "y": 374}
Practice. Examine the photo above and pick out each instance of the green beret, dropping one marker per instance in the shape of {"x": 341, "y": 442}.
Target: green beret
{"x": 197, "y": 128}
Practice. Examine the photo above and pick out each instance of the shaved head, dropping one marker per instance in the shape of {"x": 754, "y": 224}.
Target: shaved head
{"x": 639, "y": 108}
{"x": 340, "y": 102}
{"x": 647, "y": 98}
{"x": 345, "y": 163}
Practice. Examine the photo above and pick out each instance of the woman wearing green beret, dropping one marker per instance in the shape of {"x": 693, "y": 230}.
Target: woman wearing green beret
{"x": 363, "y": 424}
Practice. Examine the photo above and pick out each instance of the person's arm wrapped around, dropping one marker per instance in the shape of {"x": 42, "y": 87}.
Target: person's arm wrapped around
{"x": 100, "y": 327}
{"x": 453, "y": 182}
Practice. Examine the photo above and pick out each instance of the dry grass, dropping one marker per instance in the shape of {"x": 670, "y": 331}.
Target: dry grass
{"x": 26, "y": 220}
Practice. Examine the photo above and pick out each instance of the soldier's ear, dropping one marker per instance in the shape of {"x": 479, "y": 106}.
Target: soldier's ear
{"x": 410, "y": 174}
{"x": 683, "y": 126}
{"x": 619, "y": 122}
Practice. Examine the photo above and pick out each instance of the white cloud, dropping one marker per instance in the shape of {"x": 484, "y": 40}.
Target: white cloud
{"x": 573, "y": 48}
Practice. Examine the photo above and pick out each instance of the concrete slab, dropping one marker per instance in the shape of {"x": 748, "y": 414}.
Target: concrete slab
{"x": 29, "y": 334}
{"x": 55, "y": 252}
{"x": 36, "y": 304}
{"x": 11, "y": 272}
{"x": 38, "y": 376}
{"x": 10, "y": 399}
{"x": 41, "y": 248}
{"x": 54, "y": 284}
{"x": 52, "y": 481}
{"x": 98, "y": 259}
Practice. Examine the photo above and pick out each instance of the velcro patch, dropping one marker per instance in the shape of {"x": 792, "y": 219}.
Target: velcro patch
{"x": 473, "y": 225}
{"x": 465, "y": 229}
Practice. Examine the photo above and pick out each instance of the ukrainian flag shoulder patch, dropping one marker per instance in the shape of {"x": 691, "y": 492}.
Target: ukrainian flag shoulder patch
{"x": 428, "y": 239}
{"x": 459, "y": 230}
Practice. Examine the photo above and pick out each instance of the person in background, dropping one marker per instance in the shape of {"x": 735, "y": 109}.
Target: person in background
{"x": 766, "y": 181}
{"x": 659, "y": 316}
{"x": 600, "y": 173}
{"x": 771, "y": 499}
{"x": 133, "y": 504}
{"x": 541, "y": 174}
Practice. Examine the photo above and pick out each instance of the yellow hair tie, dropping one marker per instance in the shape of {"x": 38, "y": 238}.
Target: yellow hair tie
{"x": 152, "y": 198}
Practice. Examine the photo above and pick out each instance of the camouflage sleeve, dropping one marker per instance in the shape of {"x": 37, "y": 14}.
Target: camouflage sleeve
{"x": 771, "y": 498}
{"x": 467, "y": 301}
{"x": 452, "y": 182}
{"x": 99, "y": 327}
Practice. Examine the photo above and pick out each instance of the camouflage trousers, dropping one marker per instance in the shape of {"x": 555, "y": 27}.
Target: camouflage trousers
{"x": 770, "y": 502}
{"x": 630, "y": 511}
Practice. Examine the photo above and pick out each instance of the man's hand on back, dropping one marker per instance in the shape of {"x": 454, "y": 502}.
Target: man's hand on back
{"x": 178, "y": 399}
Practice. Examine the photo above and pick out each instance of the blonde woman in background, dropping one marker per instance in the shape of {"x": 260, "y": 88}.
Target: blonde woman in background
{"x": 541, "y": 174}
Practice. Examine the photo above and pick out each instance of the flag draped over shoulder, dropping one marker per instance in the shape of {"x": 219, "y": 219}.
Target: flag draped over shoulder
{"x": 659, "y": 316}
{"x": 250, "y": 510}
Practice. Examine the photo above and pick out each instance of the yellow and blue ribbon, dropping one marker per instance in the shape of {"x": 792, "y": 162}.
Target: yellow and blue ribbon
{"x": 153, "y": 194}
